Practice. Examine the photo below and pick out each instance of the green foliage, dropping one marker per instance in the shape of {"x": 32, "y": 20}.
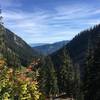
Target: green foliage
{"x": 66, "y": 78}
{"x": 48, "y": 78}
{"x": 68, "y": 74}
{"x": 92, "y": 75}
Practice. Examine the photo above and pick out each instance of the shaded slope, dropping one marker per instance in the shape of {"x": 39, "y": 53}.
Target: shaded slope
{"x": 78, "y": 46}
{"x": 15, "y": 48}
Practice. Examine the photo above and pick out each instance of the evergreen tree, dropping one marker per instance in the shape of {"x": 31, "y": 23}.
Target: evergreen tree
{"x": 66, "y": 74}
{"x": 78, "y": 93}
{"x": 92, "y": 70}
{"x": 96, "y": 75}
{"x": 48, "y": 78}
{"x": 87, "y": 71}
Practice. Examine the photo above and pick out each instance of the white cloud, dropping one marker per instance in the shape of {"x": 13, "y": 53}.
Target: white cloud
{"x": 46, "y": 26}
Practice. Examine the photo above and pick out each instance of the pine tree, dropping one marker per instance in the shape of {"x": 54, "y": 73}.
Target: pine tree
{"x": 96, "y": 79}
{"x": 78, "y": 93}
{"x": 87, "y": 70}
{"x": 66, "y": 74}
{"x": 92, "y": 70}
{"x": 48, "y": 78}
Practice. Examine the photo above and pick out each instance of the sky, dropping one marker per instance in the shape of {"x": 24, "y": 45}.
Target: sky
{"x": 48, "y": 21}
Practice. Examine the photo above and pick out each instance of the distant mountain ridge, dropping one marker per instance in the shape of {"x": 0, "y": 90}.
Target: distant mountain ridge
{"x": 50, "y": 48}
{"x": 37, "y": 44}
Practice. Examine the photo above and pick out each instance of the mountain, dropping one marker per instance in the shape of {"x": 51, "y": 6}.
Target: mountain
{"x": 77, "y": 60}
{"x": 50, "y": 48}
{"x": 14, "y": 49}
{"x": 84, "y": 51}
{"x": 78, "y": 47}
{"x": 37, "y": 44}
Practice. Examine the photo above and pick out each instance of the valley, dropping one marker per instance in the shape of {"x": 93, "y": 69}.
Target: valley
{"x": 55, "y": 55}
{"x": 66, "y": 65}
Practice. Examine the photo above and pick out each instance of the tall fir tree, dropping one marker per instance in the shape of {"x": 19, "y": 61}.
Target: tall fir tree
{"x": 66, "y": 74}
{"x": 48, "y": 78}
{"x": 78, "y": 93}
{"x": 92, "y": 70}
{"x": 96, "y": 75}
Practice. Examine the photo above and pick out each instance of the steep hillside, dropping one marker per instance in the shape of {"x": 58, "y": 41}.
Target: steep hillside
{"x": 78, "y": 46}
{"x": 15, "y": 49}
{"x": 50, "y": 48}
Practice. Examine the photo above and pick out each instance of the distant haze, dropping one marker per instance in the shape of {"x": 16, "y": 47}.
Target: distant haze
{"x": 37, "y": 44}
{"x": 47, "y": 49}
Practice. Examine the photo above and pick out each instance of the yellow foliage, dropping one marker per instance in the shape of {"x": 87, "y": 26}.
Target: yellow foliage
{"x": 2, "y": 63}
{"x": 17, "y": 84}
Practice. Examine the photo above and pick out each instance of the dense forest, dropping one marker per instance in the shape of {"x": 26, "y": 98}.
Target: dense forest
{"x": 71, "y": 72}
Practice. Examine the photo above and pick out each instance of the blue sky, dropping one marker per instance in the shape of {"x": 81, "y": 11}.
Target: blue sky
{"x": 47, "y": 21}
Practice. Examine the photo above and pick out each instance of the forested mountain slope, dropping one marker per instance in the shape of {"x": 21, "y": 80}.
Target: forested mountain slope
{"x": 78, "y": 46}
{"x": 84, "y": 50}
{"x": 14, "y": 49}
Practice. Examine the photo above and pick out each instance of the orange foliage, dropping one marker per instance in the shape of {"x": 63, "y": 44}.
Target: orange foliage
{"x": 29, "y": 69}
